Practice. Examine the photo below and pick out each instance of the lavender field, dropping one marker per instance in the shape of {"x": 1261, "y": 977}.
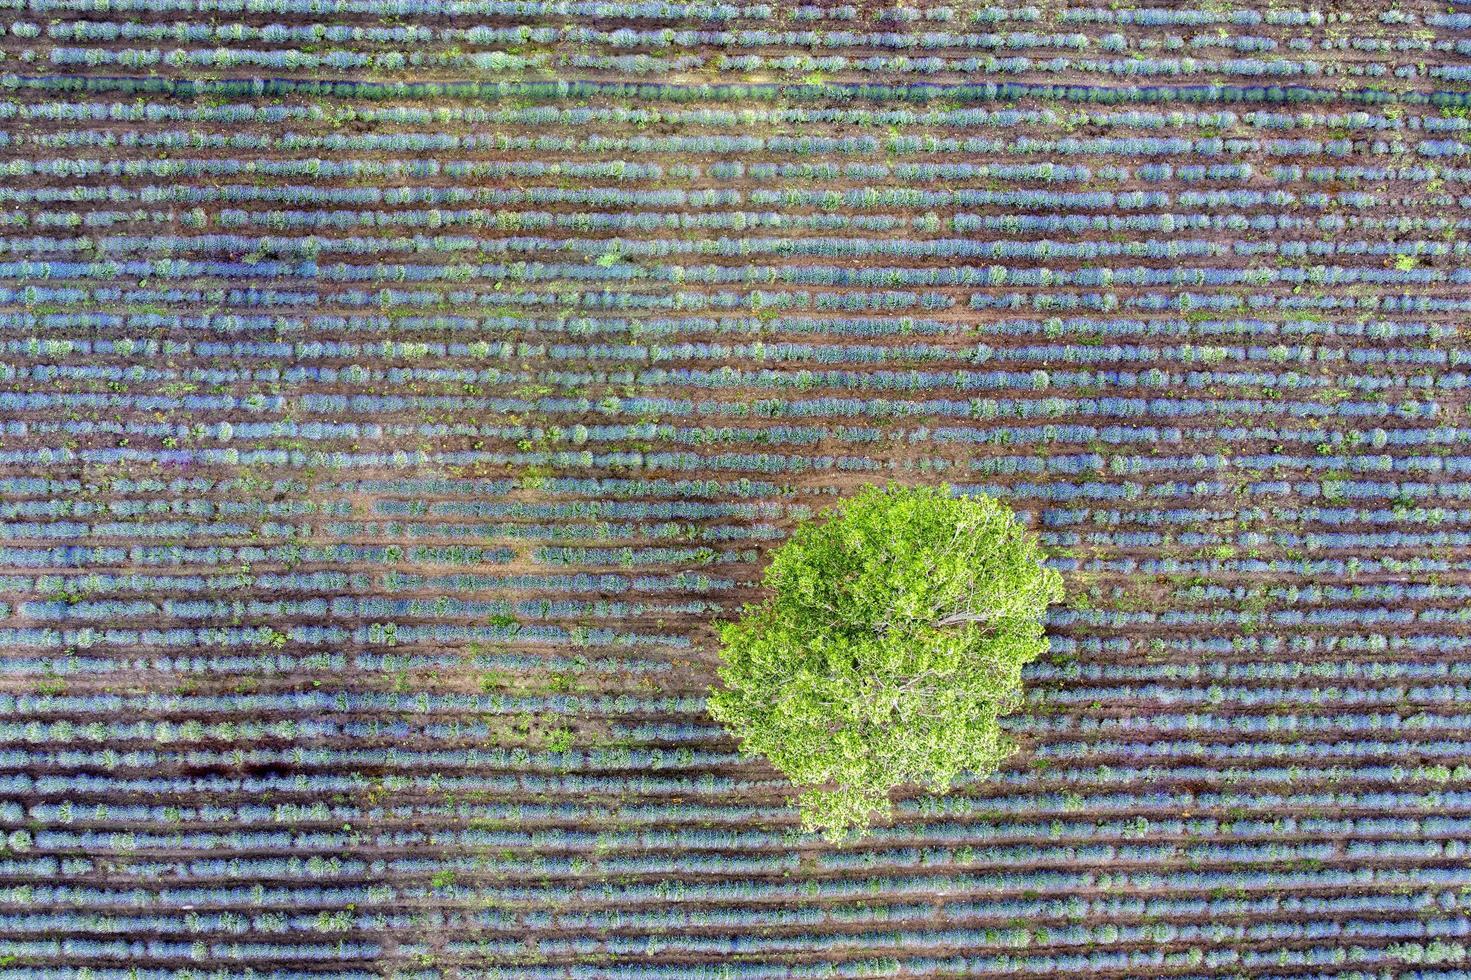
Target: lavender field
{"x": 396, "y": 394}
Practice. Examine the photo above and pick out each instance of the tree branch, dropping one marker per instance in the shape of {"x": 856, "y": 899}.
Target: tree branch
{"x": 955, "y": 619}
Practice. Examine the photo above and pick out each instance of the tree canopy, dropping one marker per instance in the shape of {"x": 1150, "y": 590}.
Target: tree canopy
{"x": 891, "y": 641}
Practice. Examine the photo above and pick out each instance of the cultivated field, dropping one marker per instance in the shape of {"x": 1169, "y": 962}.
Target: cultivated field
{"x": 394, "y": 394}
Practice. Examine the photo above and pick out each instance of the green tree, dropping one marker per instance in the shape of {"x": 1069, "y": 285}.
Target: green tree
{"x": 892, "y": 640}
